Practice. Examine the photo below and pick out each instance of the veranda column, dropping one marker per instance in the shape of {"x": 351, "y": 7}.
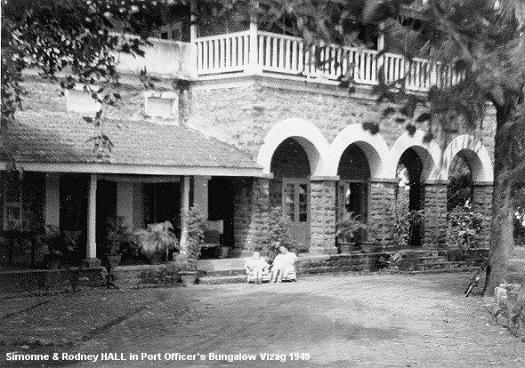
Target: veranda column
{"x": 381, "y": 214}
{"x": 435, "y": 210}
{"x": 193, "y": 36}
{"x": 91, "y": 245}
{"x": 482, "y": 203}
{"x": 323, "y": 215}
{"x": 185, "y": 206}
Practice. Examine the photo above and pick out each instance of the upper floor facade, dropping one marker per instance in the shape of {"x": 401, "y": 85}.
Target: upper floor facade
{"x": 230, "y": 45}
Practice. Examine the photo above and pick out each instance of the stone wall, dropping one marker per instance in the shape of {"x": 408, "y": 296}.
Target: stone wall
{"x": 381, "y": 216}
{"x": 435, "y": 211}
{"x": 251, "y": 210}
{"x": 322, "y": 216}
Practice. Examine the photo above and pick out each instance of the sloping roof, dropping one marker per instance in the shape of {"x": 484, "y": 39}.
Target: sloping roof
{"x": 64, "y": 138}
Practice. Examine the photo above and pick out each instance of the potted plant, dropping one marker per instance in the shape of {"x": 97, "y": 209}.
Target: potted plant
{"x": 54, "y": 243}
{"x": 196, "y": 226}
{"x": 157, "y": 240}
{"x": 349, "y": 230}
{"x": 116, "y": 235}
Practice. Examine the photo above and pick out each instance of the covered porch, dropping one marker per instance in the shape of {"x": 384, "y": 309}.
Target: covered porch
{"x": 155, "y": 173}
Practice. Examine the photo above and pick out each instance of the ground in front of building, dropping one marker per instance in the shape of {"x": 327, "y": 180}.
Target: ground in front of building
{"x": 375, "y": 320}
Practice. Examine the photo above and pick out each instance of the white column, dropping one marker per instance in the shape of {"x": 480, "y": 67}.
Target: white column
{"x": 185, "y": 206}
{"x": 125, "y": 203}
{"x": 200, "y": 194}
{"x": 91, "y": 246}
{"x": 52, "y": 206}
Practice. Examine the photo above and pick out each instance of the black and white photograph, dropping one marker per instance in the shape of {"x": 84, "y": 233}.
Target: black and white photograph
{"x": 262, "y": 183}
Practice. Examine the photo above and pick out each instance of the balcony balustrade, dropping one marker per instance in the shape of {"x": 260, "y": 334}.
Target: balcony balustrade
{"x": 266, "y": 52}
{"x": 258, "y": 52}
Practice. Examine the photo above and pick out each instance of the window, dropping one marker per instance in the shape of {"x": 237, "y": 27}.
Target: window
{"x": 13, "y": 211}
{"x": 161, "y": 105}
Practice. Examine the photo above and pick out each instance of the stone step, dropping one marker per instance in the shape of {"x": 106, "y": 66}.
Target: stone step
{"x": 216, "y": 280}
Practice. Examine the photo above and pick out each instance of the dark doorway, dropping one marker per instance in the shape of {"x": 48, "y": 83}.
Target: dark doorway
{"x": 411, "y": 192}
{"x": 73, "y": 212}
{"x": 106, "y": 208}
{"x": 162, "y": 203}
{"x": 220, "y": 205}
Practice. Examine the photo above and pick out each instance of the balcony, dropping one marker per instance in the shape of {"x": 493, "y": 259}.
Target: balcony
{"x": 258, "y": 52}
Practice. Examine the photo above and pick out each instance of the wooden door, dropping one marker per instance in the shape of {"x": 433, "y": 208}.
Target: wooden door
{"x": 296, "y": 206}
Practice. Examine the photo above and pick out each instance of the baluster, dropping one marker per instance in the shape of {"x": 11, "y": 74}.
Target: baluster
{"x": 268, "y": 50}
{"x": 294, "y": 56}
{"x": 301, "y": 56}
{"x": 227, "y": 52}
{"x": 281, "y": 54}
{"x": 274, "y": 52}
{"x": 260, "y": 54}
{"x": 246, "y": 53}
{"x": 373, "y": 68}
{"x": 205, "y": 56}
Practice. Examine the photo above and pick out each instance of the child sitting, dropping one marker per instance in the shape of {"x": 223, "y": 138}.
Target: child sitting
{"x": 255, "y": 267}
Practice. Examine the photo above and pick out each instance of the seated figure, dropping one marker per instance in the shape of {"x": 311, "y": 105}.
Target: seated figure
{"x": 283, "y": 267}
{"x": 256, "y": 268}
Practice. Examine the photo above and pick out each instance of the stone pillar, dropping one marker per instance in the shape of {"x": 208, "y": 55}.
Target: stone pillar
{"x": 91, "y": 245}
{"x": 200, "y": 194}
{"x": 251, "y": 209}
{"x": 52, "y": 201}
{"x": 185, "y": 206}
{"x": 482, "y": 203}
{"x": 323, "y": 215}
{"x": 381, "y": 213}
{"x": 435, "y": 210}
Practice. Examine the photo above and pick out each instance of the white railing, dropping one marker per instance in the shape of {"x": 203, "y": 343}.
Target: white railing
{"x": 287, "y": 55}
{"x": 223, "y": 54}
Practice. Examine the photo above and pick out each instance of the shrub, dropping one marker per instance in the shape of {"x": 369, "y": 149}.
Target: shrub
{"x": 196, "y": 225}
{"x": 463, "y": 226}
{"x": 157, "y": 239}
{"x": 278, "y": 234}
{"x": 350, "y": 227}
{"x": 116, "y": 234}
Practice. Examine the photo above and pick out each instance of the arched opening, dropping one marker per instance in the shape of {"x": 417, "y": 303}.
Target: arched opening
{"x": 353, "y": 187}
{"x": 411, "y": 172}
{"x": 459, "y": 188}
{"x": 290, "y": 188}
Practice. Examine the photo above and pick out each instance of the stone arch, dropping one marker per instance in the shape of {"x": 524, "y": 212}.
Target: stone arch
{"x": 429, "y": 153}
{"x": 305, "y": 133}
{"x": 373, "y": 146}
{"x": 474, "y": 153}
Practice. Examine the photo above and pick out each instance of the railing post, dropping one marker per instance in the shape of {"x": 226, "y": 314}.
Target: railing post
{"x": 193, "y": 39}
{"x": 253, "y": 57}
{"x": 380, "y": 62}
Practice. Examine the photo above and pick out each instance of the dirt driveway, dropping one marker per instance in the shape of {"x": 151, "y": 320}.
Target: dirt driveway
{"x": 329, "y": 321}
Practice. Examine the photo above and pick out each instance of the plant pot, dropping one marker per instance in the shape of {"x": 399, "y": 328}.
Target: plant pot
{"x": 345, "y": 248}
{"x": 188, "y": 278}
{"x": 114, "y": 259}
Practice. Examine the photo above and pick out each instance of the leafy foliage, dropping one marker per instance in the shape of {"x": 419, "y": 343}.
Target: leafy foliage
{"x": 463, "y": 226}
{"x": 116, "y": 234}
{"x": 278, "y": 233}
{"x": 196, "y": 227}
{"x": 157, "y": 239}
{"x": 349, "y": 227}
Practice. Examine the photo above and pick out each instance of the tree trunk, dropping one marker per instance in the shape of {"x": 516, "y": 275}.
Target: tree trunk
{"x": 502, "y": 234}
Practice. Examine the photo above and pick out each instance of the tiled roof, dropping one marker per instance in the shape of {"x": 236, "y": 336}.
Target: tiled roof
{"x": 60, "y": 137}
